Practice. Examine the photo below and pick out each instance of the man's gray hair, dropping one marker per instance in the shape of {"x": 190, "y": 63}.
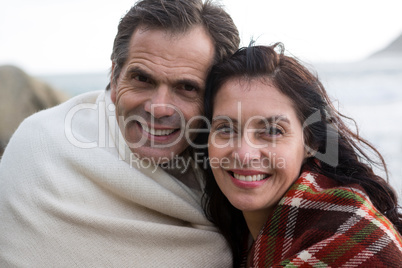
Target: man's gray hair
{"x": 175, "y": 16}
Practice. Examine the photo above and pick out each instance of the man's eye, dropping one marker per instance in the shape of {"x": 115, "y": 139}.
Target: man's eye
{"x": 141, "y": 78}
{"x": 187, "y": 88}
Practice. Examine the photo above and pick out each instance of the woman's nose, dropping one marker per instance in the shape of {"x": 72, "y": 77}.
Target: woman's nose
{"x": 246, "y": 151}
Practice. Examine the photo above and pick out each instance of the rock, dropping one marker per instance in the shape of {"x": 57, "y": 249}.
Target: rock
{"x": 392, "y": 50}
{"x": 20, "y": 96}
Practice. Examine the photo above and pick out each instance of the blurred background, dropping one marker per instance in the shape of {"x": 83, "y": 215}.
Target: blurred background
{"x": 53, "y": 50}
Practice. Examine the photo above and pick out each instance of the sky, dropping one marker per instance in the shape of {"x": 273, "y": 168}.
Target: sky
{"x": 76, "y": 36}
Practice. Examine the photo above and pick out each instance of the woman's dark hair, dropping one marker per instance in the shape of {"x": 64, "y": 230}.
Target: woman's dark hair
{"x": 176, "y": 16}
{"x": 338, "y": 152}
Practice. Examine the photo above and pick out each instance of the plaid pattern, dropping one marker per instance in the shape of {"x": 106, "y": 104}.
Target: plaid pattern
{"x": 320, "y": 224}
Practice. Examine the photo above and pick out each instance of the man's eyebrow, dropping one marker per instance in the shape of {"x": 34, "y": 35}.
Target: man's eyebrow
{"x": 137, "y": 70}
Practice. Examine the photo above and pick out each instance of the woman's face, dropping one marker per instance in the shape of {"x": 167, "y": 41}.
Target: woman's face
{"x": 256, "y": 145}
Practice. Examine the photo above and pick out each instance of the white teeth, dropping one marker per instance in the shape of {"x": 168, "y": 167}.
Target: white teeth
{"x": 157, "y": 132}
{"x": 250, "y": 178}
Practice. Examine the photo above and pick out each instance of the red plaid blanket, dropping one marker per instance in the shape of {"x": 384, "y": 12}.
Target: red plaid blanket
{"x": 319, "y": 224}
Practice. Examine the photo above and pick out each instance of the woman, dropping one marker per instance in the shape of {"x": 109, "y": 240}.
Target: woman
{"x": 286, "y": 171}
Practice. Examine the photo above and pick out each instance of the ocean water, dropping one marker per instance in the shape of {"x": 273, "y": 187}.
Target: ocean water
{"x": 368, "y": 91}
{"x": 74, "y": 84}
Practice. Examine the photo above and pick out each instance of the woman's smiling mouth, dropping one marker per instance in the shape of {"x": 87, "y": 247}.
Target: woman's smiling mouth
{"x": 258, "y": 177}
{"x": 248, "y": 178}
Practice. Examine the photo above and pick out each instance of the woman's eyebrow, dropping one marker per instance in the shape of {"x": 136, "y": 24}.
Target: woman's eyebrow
{"x": 262, "y": 120}
{"x": 274, "y": 119}
{"x": 223, "y": 117}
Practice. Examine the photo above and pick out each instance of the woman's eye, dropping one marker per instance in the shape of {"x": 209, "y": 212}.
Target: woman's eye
{"x": 274, "y": 131}
{"x": 224, "y": 130}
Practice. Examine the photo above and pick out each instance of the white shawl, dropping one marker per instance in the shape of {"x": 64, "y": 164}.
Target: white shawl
{"x": 64, "y": 205}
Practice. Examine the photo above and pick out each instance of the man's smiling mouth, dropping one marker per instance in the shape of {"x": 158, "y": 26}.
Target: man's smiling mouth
{"x": 158, "y": 132}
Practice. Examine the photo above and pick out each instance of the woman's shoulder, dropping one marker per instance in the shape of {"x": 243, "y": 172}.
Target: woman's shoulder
{"x": 319, "y": 221}
{"x": 319, "y": 218}
{"x": 315, "y": 193}
{"x": 316, "y": 189}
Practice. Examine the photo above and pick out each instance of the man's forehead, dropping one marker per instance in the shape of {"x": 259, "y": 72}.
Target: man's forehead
{"x": 168, "y": 32}
{"x": 196, "y": 37}
{"x": 192, "y": 51}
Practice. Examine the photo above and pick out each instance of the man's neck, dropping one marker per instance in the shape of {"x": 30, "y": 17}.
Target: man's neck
{"x": 183, "y": 173}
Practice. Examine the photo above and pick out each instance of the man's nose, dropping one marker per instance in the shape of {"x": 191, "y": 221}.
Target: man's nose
{"x": 160, "y": 103}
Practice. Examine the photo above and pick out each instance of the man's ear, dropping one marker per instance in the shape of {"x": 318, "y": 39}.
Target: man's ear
{"x": 112, "y": 85}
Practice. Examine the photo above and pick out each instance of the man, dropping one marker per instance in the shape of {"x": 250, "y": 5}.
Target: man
{"x": 103, "y": 180}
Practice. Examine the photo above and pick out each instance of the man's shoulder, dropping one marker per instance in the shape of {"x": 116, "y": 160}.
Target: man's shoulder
{"x": 46, "y": 126}
{"x": 53, "y": 120}
{"x": 61, "y": 110}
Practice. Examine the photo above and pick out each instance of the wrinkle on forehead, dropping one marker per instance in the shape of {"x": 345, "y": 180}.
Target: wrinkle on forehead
{"x": 180, "y": 41}
{"x": 187, "y": 55}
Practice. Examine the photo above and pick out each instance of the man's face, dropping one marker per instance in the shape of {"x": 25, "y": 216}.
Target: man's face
{"x": 160, "y": 90}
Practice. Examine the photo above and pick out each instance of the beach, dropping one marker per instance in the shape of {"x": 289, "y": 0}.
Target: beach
{"x": 369, "y": 91}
